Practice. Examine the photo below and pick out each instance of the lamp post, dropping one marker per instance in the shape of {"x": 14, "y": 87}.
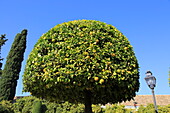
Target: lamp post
{"x": 151, "y": 82}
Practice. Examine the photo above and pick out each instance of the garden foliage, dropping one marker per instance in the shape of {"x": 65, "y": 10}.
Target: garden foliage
{"x": 37, "y": 107}
{"x": 6, "y": 107}
{"x": 26, "y": 105}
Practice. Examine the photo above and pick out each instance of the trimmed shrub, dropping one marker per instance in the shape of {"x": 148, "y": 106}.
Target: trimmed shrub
{"x": 97, "y": 109}
{"x": 163, "y": 109}
{"x": 82, "y": 61}
{"x": 52, "y": 107}
{"x": 25, "y": 104}
{"x": 115, "y": 109}
{"x": 37, "y": 107}
{"x": 6, "y": 107}
{"x": 151, "y": 109}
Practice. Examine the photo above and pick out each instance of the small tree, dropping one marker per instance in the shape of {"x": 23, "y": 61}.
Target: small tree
{"x": 84, "y": 61}
{"x": 2, "y": 42}
{"x": 10, "y": 73}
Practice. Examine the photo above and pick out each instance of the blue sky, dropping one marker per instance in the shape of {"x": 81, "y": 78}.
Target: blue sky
{"x": 146, "y": 23}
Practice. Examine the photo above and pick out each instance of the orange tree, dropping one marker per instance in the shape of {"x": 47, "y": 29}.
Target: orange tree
{"x": 82, "y": 61}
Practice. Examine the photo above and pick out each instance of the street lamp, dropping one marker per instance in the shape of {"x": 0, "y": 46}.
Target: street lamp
{"x": 151, "y": 82}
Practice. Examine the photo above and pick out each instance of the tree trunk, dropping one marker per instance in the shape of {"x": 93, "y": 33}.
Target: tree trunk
{"x": 87, "y": 100}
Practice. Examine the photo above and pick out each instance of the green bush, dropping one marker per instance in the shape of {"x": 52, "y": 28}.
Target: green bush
{"x": 51, "y": 107}
{"x": 64, "y": 107}
{"x": 77, "y": 108}
{"x": 97, "y": 109}
{"x": 27, "y": 104}
{"x": 115, "y": 109}
{"x": 151, "y": 109}
{"x": 24, "y": 105}
{"x": 163, "y": 109}
{"x": 6, "y": 107}
{"x": 37, "y": 107}
{"x": 141, "y": 109}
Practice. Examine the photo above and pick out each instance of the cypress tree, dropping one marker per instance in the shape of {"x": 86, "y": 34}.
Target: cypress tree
{"x": 2, "y": 42}
{"x": 12, "y": 68}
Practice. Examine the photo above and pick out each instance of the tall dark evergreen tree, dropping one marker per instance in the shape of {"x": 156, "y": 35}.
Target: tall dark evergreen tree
{"x": 12, "y": 68}
{"x": 2, "y": 42}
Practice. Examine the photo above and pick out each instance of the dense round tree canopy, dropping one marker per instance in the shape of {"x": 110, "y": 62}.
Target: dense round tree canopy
{"x": 82, "y": 55}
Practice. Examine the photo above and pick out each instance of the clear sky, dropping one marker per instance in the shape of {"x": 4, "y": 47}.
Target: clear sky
{"x": 146, "y": 23}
